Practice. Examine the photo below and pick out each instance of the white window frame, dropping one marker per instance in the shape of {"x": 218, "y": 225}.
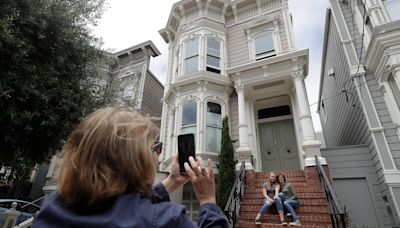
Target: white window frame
{"x": 206, "y": 124}
{"x": 208, "y": 54}
{"x": 251, "y": 35}
{"x": 183, "y": 127}
{"x": 185, "y": 58}
{"x": 269, "y": 53}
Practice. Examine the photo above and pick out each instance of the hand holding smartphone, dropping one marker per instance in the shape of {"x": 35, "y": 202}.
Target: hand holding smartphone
{"x": 186, "y": 148}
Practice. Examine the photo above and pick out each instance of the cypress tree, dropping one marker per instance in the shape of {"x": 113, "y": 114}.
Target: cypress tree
{"x": 226, "y": 176}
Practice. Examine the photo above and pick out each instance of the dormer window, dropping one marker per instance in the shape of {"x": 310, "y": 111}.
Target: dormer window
{"x": 192, "y": 55}
{"x": 264, "y": 45}
{"x": 213, "y": 55}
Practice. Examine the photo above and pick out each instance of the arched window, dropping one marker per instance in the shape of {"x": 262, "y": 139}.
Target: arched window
{"x": 264, "y": 45}
{"x": 189, "y": 118}
{"x": 192, "y": 55}
{"x": 213, "y": 127}
{"x": 213, "y": 55}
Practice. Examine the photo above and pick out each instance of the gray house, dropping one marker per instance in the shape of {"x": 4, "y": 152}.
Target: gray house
{"x": 359, "y": 108}
{"x": 126, "y": 81}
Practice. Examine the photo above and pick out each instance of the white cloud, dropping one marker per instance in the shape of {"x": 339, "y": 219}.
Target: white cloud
{"x": 129, "y": 22}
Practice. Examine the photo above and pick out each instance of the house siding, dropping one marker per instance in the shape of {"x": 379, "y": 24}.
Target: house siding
{"x": 346, "y": 123}
{"x": 354, "y": 162}
{"x": 237, "y": 46}
{"x": 346, "y": 120}
{"x": 152, "y": 94}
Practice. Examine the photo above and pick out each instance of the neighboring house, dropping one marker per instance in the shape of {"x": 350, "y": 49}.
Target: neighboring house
{"x": 359, "y": 108}
{"x": 126, "y": 82}
{"x": 237, "y": 59}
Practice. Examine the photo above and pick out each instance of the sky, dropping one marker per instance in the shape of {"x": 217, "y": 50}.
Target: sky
{"x": 129, "y": 22}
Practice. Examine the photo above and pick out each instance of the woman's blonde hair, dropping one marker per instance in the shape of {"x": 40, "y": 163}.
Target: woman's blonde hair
{"x": 107, "y": 155}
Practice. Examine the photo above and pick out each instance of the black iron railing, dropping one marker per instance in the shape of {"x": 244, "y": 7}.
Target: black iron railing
{"x": 336, "y": 212}
{"x": 232, "y": 207}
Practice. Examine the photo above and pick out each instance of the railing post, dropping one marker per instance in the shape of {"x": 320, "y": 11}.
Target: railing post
{"x": 232, "y": 207}
{"x": 9, "y": 218}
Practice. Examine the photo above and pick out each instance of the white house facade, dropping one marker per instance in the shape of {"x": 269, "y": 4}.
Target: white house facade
{"x": 237, "y": 59}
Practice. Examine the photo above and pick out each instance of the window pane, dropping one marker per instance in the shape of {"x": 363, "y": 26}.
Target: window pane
{"x": 272, "y": 112}
{"x": 213, "y": 47}
{"x": 214, "y": 114}
{"x": 191, "y": 65}
{"x": 395, "y": 89}
{"x": 264, "y": 44}
{"x": 393, "y": 9}
{"x": 212, "y": 61}
{"x": 189, "y": 113}
{"x": 213, "y": 139}
{"x": 192, "y": 47}
{"x": 189, "y": 130}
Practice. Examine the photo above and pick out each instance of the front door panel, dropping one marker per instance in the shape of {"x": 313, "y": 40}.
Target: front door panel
{"x": 278, "y": 146}
{"x": 269, "y": 150}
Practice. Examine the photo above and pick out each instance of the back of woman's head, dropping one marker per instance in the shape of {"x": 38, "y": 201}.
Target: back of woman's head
{"x": 107, "y": 155}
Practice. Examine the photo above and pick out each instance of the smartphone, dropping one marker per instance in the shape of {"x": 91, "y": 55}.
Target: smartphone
{"x": 186, "y": 148}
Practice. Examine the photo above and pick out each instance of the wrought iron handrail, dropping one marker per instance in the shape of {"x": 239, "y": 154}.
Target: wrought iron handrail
{"x": 232, "y": 207}
{"x": 336, "y": 212}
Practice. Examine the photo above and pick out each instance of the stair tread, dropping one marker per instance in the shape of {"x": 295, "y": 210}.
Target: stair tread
{"x": 301, "y": 210}
{"x": 251, "y": 224}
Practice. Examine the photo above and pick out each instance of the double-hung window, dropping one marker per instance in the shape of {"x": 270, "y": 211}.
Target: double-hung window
{"x": 213, "y": 55}
{"x": 264, "y": 45}
{"x": 213, "y": 127}
{"x": 189, "y": 118}
{"x": 192, "y": 55}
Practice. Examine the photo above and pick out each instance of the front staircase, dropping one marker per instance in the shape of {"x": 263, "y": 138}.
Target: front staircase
{"x": 313, "y": 211}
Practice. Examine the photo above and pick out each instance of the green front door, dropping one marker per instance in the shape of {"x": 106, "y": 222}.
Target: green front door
{"x": 278, "y": 146}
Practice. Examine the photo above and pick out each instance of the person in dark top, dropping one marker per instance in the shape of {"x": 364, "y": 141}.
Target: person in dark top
{"x": 289, "y": 199}
{"x": 106, "y": 175}
{"x": 270, "y": 192}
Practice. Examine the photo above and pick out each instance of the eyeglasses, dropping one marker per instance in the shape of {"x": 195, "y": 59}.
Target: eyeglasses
{"x": 157, "y": 147}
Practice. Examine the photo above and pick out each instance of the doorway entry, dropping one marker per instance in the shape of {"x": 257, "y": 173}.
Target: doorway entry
{"x": 278, "y": 147}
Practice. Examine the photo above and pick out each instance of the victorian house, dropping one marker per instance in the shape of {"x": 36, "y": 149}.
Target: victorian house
{"x": 359, "y": 107}
{"x": 238, "y": 59}
{"x": 126, "y": 81}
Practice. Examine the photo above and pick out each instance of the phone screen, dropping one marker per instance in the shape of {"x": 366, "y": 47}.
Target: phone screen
{"x": 186, "y": 148}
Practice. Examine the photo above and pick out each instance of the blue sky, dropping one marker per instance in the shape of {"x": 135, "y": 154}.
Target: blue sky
{"x": 129, "y": 22}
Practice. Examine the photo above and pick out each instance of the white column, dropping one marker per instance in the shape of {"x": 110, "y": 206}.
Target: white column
{"x": 201, "y": 127}
{"x": 243, "y": 152}
{"x": 311, "y": 147}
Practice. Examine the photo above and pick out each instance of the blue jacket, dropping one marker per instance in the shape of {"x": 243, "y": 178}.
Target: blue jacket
{"x": 129, "y": 210}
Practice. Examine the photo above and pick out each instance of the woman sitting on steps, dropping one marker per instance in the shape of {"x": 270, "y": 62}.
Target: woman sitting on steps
{"x": 270, "y": 193}
{"x": 289, "y": 199}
